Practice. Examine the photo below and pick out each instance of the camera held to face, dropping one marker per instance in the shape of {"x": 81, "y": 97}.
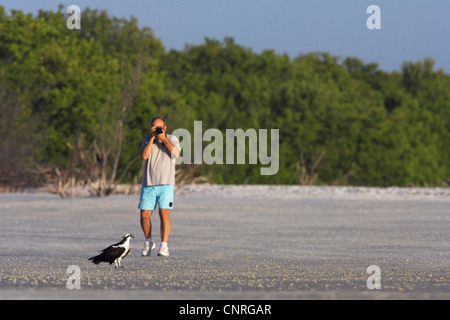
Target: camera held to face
{"x": 158, "y": 130}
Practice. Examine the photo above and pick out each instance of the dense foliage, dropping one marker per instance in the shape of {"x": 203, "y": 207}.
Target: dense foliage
{"x": 75, "y": 105}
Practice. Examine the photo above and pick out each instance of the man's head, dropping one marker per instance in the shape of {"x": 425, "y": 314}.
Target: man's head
{"x": 159, "y": 122}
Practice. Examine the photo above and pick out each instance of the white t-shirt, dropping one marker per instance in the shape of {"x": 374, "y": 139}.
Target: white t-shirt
{"x": 160, "y": 167}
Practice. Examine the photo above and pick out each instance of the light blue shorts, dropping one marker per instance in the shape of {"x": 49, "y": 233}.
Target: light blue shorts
{"x": 152, "y": 195}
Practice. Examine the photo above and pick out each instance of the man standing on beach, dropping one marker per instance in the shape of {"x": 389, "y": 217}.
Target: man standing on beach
{"x": 160, "y": 151}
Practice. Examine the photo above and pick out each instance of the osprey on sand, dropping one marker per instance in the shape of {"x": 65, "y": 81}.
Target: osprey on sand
{"x": 114, "y": 253}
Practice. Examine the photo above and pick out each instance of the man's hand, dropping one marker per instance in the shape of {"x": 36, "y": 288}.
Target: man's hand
{"x": 161, "y": 137}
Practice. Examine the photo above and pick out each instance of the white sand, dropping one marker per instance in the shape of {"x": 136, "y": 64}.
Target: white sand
{"x": 241, "y": 242}
{"x": 318, "y": 192}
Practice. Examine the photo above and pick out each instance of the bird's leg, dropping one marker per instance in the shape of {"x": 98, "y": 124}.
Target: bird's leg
{"x": 115, "y": 262}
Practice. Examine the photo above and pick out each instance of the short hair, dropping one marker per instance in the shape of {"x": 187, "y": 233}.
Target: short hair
{"x": 158, "y": 118}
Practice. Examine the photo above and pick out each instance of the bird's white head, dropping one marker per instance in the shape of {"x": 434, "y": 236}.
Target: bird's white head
{"x": 128, "y": 236}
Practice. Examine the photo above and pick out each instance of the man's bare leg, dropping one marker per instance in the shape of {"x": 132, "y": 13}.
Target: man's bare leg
{"x": 146, "y": 224}
{"x": 165, "y": 224}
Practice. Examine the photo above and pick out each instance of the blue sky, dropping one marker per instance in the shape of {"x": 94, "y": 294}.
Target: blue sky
{"x": 410, "y": 29}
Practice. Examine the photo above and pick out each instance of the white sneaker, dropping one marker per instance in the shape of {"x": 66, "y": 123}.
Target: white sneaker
{"x": 147, "y": 248}
{"x": 163, "y": 250}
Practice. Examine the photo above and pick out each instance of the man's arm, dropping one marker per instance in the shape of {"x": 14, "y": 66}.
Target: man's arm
{"x": 172, "y": 149}
{"x": 147, "y": 151}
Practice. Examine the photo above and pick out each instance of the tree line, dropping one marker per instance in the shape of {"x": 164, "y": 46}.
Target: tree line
{"x": 75, "y": 105}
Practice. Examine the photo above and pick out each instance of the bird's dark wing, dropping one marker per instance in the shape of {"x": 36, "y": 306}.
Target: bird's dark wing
{"x": 114, "y": 245}
{"x": 110, "y": 254}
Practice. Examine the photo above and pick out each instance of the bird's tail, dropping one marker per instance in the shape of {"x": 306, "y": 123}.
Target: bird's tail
{"x": 94, "y": 259}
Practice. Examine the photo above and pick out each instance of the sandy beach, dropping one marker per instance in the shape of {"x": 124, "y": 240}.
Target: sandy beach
{"x": 233, "y": 242}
